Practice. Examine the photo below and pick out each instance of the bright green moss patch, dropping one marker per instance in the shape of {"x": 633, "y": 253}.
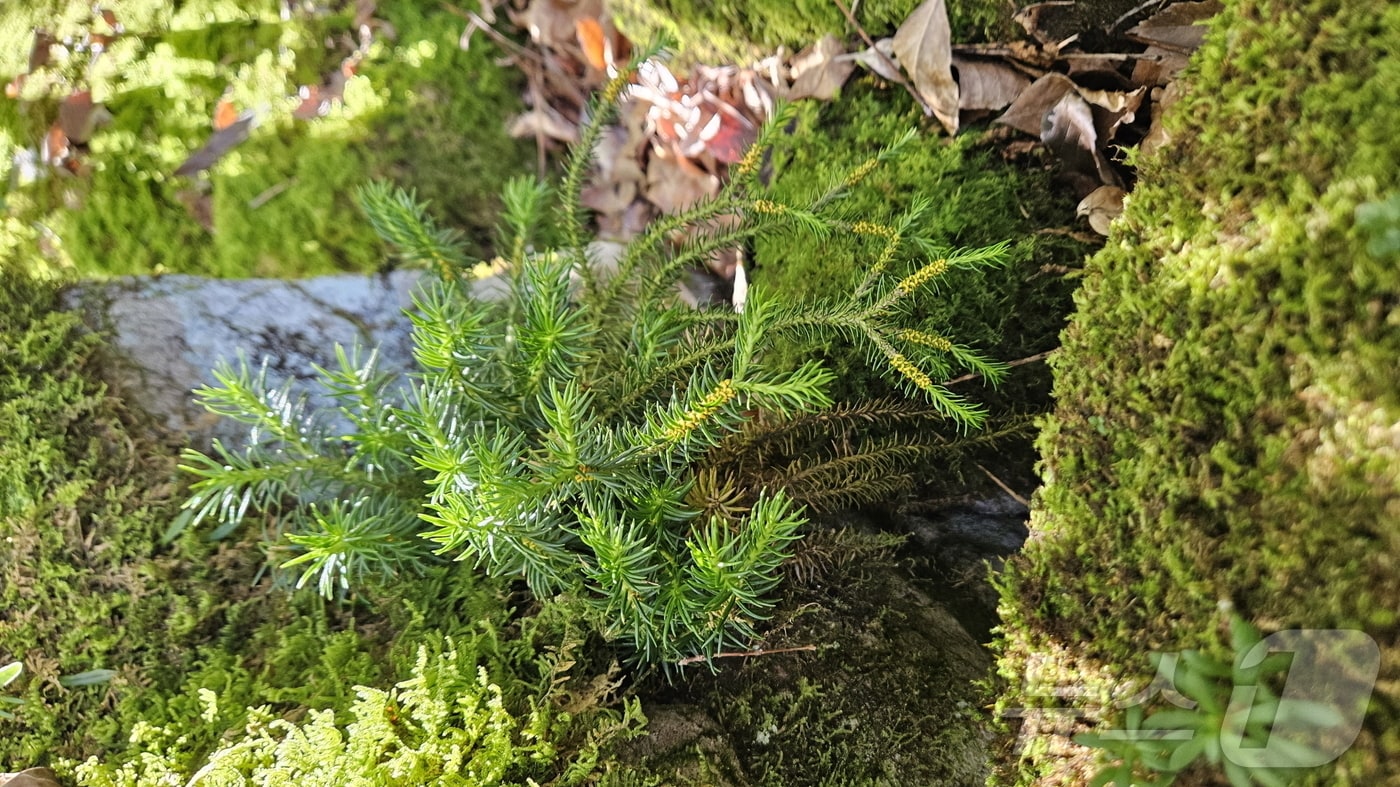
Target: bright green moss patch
{"x": 735, "y": 31}
{"x": 977, "y": 199}
{"x": 419, "y": 111}
{"x": 1227, "y": 415}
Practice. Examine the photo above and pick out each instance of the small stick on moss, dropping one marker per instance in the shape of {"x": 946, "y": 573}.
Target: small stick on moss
{"x": 268, "y": 194}
{"x": 1021, "y": 362}
{"x": 688, "y": 660}
{"x": 894, "y": 68}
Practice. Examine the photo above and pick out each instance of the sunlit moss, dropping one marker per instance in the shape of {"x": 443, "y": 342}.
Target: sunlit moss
{"x": 161, "y": 82}
{"x": 1226, "y": 428}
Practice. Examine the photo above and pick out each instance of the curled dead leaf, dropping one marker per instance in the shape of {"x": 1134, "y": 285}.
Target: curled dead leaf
{"x": 820, "y": 70}
{"x": 923, "y": 44}
{"x": 1101, "y": 207}
{"x": 1113, "y": 109}
{"x": 1027, "y": 113}
{"x": 554, "y": 23}
{"x": 673, "y": 188}
{"x": 78, "y": 116}
{"x": 220, "y": 143}
{"x": 1180, "y": 27}
{"x": 1069, "y": 132}
{"x": 880, "y": 59}
{"x": 1162, "y": 99}
{"x": 1049, "y": 22}
{"x": 1157, "y": 66}
{"x": 30, "y": 777}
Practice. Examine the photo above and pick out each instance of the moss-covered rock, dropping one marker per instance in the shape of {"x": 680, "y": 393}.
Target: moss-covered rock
{"x": 1227, "y": 419}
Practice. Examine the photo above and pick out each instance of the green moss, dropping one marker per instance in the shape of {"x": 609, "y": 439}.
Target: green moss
{"x": 730, "y": 31}
{"x": 887, "y": 698}
{"x": 450, "y": 720}
{"x": 977, "y": 200}
{"x": 419, "y": 111}
{"x": 1226, "y": 427}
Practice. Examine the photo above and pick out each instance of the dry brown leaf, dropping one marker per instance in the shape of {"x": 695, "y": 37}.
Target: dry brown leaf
{"x": 1113, "y": 108}
{"x": 553, "y": 23}
{"x": 1069, "y": 132}
{"x": 1102, "y": 206}
{"x": 30, "y": 777}
{"x": 882, "y": 62}
{"x": 1027, "y": 113}
{"x": 1179, "y": 28}
{"x": 200, "y": 203}
{"x": 221, "y": 142}
{"x": 983, "y": 84}
{"x": 617, "y": 154}
{"x": 1157, "y": 66}
{"x": 609, "y": 197}
{"x": 1162, "y": 99}
{"x": 819, "y": 70}
{"x": 77, "y": 115}
{"x": 923, "y": 45}
{"x": 673, "y": 187}
{"x": 545, "y": 121}
{"x": 1047, "y": 22}
{"x": 593, "y": 41}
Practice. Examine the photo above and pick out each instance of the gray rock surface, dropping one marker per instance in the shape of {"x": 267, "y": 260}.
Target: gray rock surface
{"x": 174, "y": 330}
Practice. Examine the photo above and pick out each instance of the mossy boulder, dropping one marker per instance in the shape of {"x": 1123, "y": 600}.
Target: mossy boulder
{"x": 1227, "y": 415}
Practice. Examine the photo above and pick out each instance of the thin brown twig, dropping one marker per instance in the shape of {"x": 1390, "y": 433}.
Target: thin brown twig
{"x": 1021, "y": 362}
{"x": 744, "y": 653}
{"x": 1007, "y": 489}
{"x": 894, "y": 68}
{"x": 493, "y": 33}
{"x": 541, "y": 160}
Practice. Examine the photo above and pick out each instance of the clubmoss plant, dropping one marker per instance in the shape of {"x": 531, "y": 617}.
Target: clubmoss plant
{"x": 561, "y": 429}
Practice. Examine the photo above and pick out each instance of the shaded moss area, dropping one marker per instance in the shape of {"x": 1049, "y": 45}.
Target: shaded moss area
{"x": 978, "y": 199}
{"x": 888, "y": 697}
{"x": 419, "y": 110}
{"x": 735, "y": 31}
{"x": 1227, "y": 411}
